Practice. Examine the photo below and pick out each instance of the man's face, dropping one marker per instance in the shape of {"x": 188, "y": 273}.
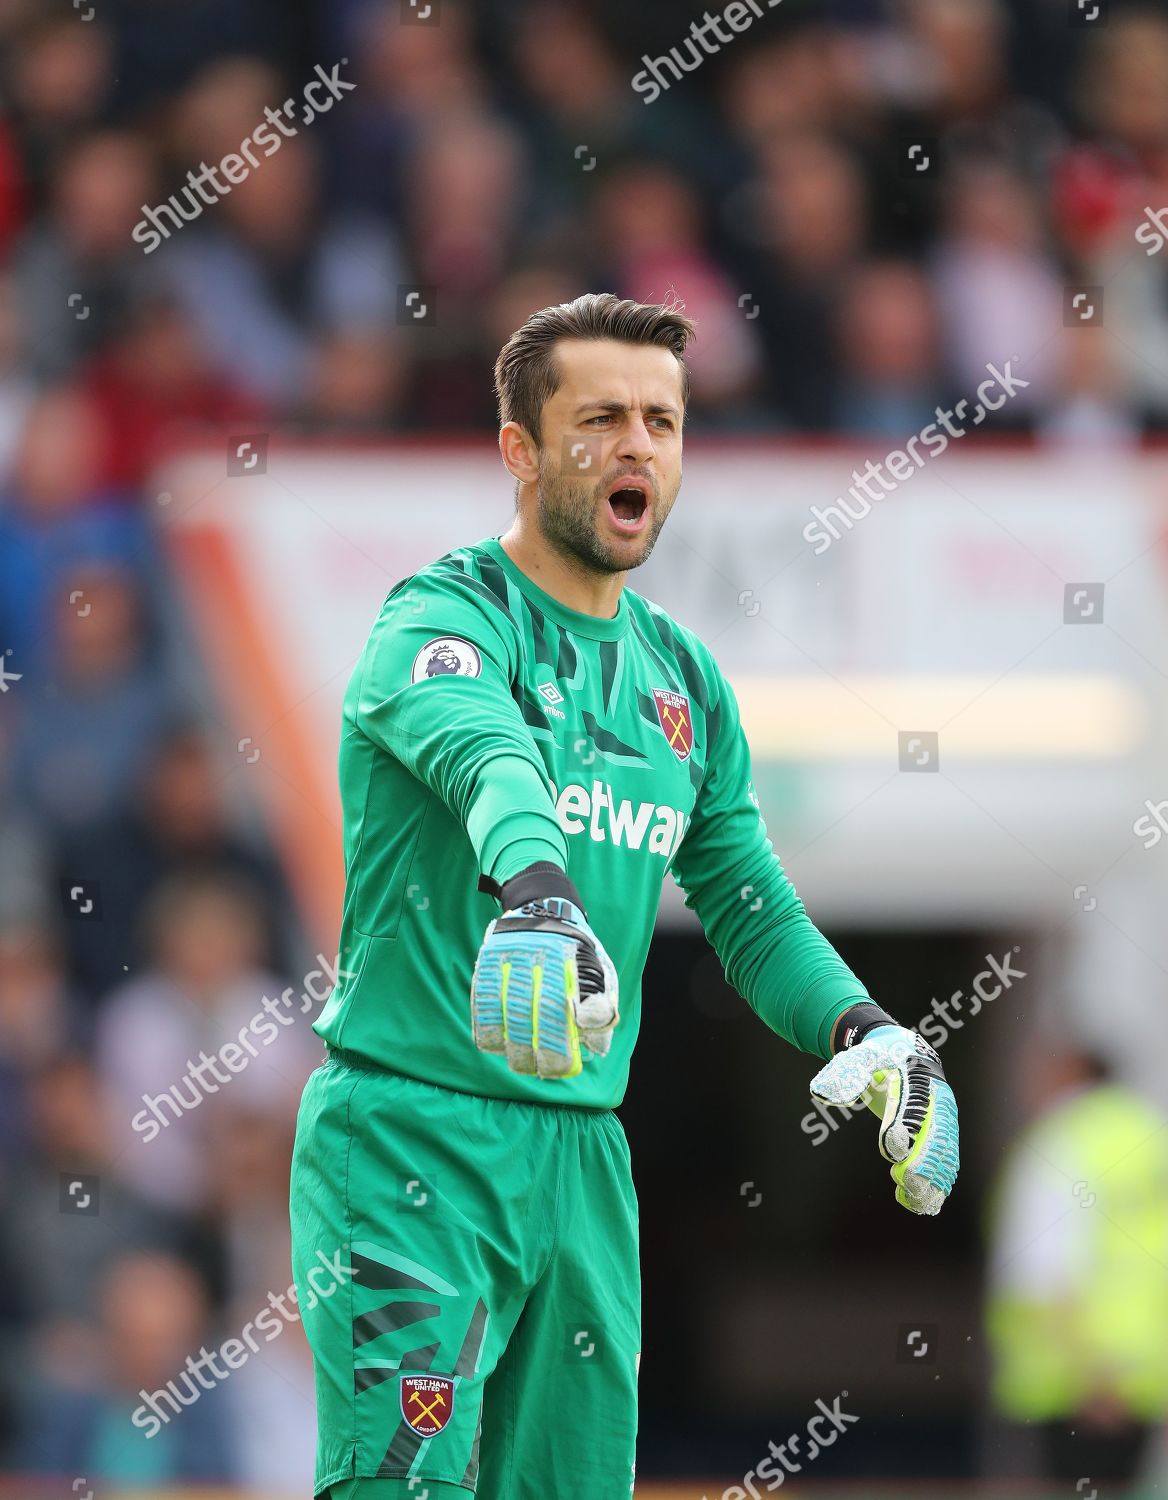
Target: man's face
{"x": 614, "y": 423}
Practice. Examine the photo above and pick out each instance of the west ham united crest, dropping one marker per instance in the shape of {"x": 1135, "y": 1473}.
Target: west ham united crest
{"x": 447, "y": 656}
{"x": 427, "y": 1402}
{"x": 673, "y": 711}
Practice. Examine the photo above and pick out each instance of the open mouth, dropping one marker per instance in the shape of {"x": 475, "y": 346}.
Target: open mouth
{"x": 629, "y": 508}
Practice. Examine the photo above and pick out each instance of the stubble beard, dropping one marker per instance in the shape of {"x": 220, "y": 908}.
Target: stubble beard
{"x": 567, "y": 516}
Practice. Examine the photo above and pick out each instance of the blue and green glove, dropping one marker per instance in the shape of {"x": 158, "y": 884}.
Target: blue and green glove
{"x": 543, "y": 986}
{"x": 899, "y": 1077}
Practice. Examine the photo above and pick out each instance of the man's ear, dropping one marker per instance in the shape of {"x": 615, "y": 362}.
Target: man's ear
{"x": 520, "y": 452}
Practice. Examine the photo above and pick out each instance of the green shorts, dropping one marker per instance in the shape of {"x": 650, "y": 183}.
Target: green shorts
{"x": 480, "y": 1329}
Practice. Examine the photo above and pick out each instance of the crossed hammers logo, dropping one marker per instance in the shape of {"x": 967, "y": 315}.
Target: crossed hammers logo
{"x": 678, "y": 728}
{"x": 427, "y": 1413}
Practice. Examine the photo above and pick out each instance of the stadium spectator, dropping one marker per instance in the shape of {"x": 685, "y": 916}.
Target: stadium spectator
{"x": 889, "y": 352}
{"x": 251, "y": 1196}
{"x": 41, "y": 1019}
{"x": 1078, "y": 1300}
{"x": 803, "y": 225}
{"x": 357, "y": 383}
{"x": 153, "y": 1316}
{"x": 76, "y": 1216}
{"x": 76, "y": 267}
{"x": 581, "y": 118}
{"x": 1092, "y": 405}
{"x": 57, "y": 78}
{"x": 155, "y": 386}
{"x": 540, "y": 284}
{"x": 89, "y": 724}
{"x": 962, "y": 62}
{"x": 650, "y": 220}
{"x": 204, "y": 1019}
{"x": 406, "y": 76}
{"x": 1108, "y": 186}
{"x": 262, "y": 269}
{"x": 996, "y": 280}
{"x": 461, "y": 226}
{"x": 178, "y": 822}
{"x": 810, "y": 80}
{"x": 55, "y": 517}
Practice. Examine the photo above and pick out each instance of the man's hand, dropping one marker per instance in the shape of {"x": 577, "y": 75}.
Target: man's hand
{"x": 543, "y": 985}
{"x": 899, "y": 1077}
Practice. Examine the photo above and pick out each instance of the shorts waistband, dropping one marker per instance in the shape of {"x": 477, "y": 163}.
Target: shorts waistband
{"x": 356, "y": 1060}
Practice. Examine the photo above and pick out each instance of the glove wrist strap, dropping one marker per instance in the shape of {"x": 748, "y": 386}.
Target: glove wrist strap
{"x": 855, "y": 1023}
{"x": 530, "y": 884}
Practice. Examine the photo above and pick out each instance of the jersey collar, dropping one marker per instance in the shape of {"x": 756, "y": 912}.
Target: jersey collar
{"x": 596, "y": 627}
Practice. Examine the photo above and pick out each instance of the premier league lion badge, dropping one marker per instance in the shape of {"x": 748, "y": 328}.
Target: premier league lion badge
{"x": 447, "y": 656}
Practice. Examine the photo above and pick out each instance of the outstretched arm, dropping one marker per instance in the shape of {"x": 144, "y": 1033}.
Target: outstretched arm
{"x": 777, "y": 958}
{"x": 436, "y": 694}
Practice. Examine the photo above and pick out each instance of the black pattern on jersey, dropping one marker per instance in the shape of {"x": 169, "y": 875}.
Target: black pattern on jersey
{"x": 667, "y": 667}
{"x": 400, "y": 584}
{"x": 566, "y": 666}
{"x": 543, "y": 652}
{"x": 478, "y": 587}
{"x": 533, "y": 716}
{"x": 604, "y": 739}
{"x": 694, "y": 681}
{"x": 609, "y": 661}
{"x": 496, "y": 580}
{"x": 553, "y": 648}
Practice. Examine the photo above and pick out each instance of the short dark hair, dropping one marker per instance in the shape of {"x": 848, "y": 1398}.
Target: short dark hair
{"x": 526, "y": 373}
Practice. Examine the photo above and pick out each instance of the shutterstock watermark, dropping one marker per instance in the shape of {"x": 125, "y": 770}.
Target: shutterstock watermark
{"x": 822, "y": 1429}
{"x": 204, "y": 188}
{"x": 263, "y": 1027}
{"x": 323, "y": 1280}
{"x": 1152, "y": 828}
{"x": 1153, "y": 231}
{"x": 903, "y": 463}
{"x": 739, "y": 16}
{"x": 936, "y": 1025}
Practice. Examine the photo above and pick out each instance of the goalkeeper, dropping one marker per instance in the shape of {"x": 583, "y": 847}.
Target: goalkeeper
{"x": 528, "y": 748}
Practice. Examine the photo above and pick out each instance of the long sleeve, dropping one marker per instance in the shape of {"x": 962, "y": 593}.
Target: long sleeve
{"x": 435, "y": 692}
{"x": 772, "y": 952}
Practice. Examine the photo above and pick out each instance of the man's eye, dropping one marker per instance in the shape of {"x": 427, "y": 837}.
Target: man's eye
{"x": 606, "y": 417}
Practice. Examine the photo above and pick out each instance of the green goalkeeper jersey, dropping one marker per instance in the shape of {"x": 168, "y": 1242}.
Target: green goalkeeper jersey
{"x": 486, "y": 726}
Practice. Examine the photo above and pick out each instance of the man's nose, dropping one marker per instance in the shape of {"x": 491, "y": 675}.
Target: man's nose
{"x": 636, "y": 446}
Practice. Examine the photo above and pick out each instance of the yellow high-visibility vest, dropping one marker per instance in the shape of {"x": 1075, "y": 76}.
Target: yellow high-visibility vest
{"x": 1107, "y": 1332}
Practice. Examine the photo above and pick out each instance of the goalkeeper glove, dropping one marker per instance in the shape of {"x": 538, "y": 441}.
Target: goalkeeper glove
{"x": 899, "y": 1077}
{"x": 543, "y": 986}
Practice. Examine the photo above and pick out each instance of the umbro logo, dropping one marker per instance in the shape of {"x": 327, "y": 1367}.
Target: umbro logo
{"x": 551, "y": 695}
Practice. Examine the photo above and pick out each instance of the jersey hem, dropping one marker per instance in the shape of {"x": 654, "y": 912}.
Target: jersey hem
{"x": 362, "y": 1063}
{"x": 322, "y": 1486}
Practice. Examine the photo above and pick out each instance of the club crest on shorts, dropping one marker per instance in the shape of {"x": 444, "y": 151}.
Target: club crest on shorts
{"x": 427, "y": 1402}
{"x": 676, "y": 722}
{"x": 447, "y": 656}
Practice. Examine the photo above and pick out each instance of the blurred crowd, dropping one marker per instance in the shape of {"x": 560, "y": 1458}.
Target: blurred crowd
{"x": 863, "y": 205}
